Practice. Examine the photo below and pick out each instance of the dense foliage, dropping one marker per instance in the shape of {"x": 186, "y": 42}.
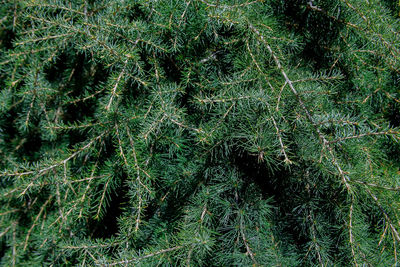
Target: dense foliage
{"x": 199, "y": 132}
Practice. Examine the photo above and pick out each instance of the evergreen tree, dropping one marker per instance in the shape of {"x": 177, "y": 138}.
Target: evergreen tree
{"x": 199, "y": 133}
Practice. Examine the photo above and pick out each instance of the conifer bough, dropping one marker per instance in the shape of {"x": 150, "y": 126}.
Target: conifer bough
{"x": 199, "y": 133}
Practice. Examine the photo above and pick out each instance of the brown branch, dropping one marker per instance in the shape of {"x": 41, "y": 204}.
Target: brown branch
{"x": 322, "y": 138}
{"x": 35, "y": 221}
{"x": 390, "y": 132}
{"x": 394, "y": 231}
{"x": 351, "y": 237}
{"x": 114, "y": 90}
{"x": 248, "y": 249}
{"x": 129, "y": 261}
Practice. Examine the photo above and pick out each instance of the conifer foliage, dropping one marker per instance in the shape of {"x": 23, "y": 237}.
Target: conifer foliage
{"x": 199, "y": 133}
